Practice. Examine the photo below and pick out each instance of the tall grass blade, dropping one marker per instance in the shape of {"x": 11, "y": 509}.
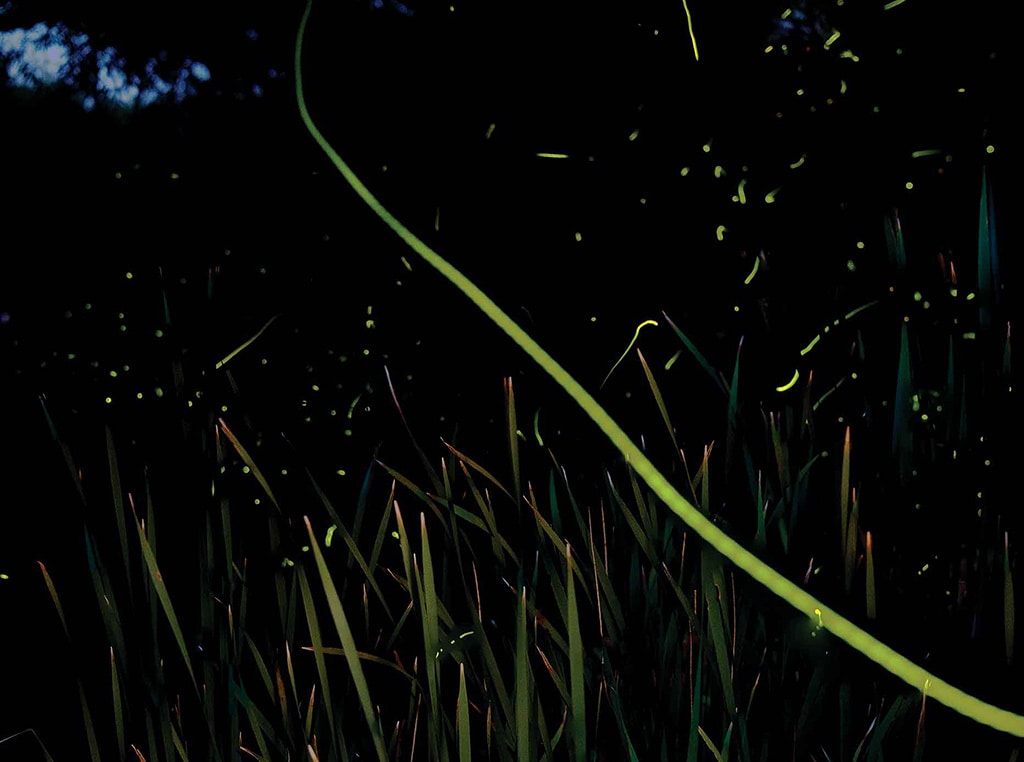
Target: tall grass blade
{"x": 902, "y": 436}
{"x": 989, "y": 284}
{"x": 660, "y": 401}
{"x": 462, "y": 718}
{"x": 851, "y": 543}
{"x": 348, "y": 644}
{"x": 313, "y": 623}
{"x": 894, "y": 242}
{"x": 90, "y": 731}
{"x": 1008, "y": 604}
{"x": 513, "y": 438}
{"x": 429, "y": 615}
{"x": 577, "y": 696}
{"x": 117, "y": 696}
{"x": 247, "y": 459}
{"x": 696, "y": 353}
{"x": 713, "y": 582}
{"x": 871, "y": 608}
{"x": 523, "y": 689}
{"x": 844, "y": 501}
{"x": 118, "y": 500}
{"x": 156, "y": 582}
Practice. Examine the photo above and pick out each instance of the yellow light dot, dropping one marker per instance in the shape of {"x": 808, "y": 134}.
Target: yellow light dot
{"x": 909, "y": 185}
{"x": 990, "y": 149}
{"x": 129, "y": 276}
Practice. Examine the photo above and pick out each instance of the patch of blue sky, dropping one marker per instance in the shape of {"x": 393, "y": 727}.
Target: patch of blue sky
{"x": 45, "y": 56}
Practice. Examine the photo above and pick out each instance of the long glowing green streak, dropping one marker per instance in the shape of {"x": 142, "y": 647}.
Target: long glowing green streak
{"x": 816, "y": 611}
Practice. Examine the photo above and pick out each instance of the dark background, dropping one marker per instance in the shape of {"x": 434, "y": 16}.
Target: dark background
{"x": 227, "y": 214}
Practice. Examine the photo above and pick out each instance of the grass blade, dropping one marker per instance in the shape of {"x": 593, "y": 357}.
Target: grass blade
{"x": 462, "y": 718}
{"x": 1008, "y": 605}
{"x": 577, "y": 696}
{"x": 156, "y": 581}
{"x": 523, "y": 689}
{"x": 348, "y": 644}
{"x": 247, "y": 459}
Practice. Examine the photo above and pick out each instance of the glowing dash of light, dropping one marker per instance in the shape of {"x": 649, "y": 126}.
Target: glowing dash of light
{"x": 672, "y": 359}
{"x": 892, "y": 4}
{"x": 832, "y": 38}
{"x": 720, "y": 232}
{"x": 634, "y": 135}
{"x": 769, "y": 197}
{"x": 490, "y": 131}
{"x": 810, "y": 346}
{"x": 689, "y": 28}
{"x": 707, "y": 147}
{"x": 926, "y": 152}
{"x": 578, "y": 236}
{"x": 799, "y": 162}
{"x": 741, "y": 193}
{"x": 684, "y": 171}
{"x": 330, "y": 534}
{"x": 790, "y": 384}
{"x": 753, "y": 271}
{"x": 842, "y": 87}
{"x": 536, "y": 428}
{"x": 352, "y": 406}
{"x": 553, "y": 155}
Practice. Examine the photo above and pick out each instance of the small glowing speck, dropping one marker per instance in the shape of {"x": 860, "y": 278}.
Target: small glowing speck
{"x": 245, "y": 469}
{"x": 487, "y": 135}
{"x": 684, "y": 171}
{"x": 113, "y": 374}
{"x": 719, "y": 170}
{"x": 138, "y": 395}
{"x": 578, "y": 237}
{"x": 633, "y": 135}
{"x": 851, "y": 265}
{"x": 340, "y": 472}
{"x": 990, "y": 149}
{"x": 129, "y": 276}
{"x": 720, "y": 232}
{"x": 860, "y": 245}
{"x": 108, "y": 400}
{"x": 917, "y": 296}
{"x": 909, "y": 185}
